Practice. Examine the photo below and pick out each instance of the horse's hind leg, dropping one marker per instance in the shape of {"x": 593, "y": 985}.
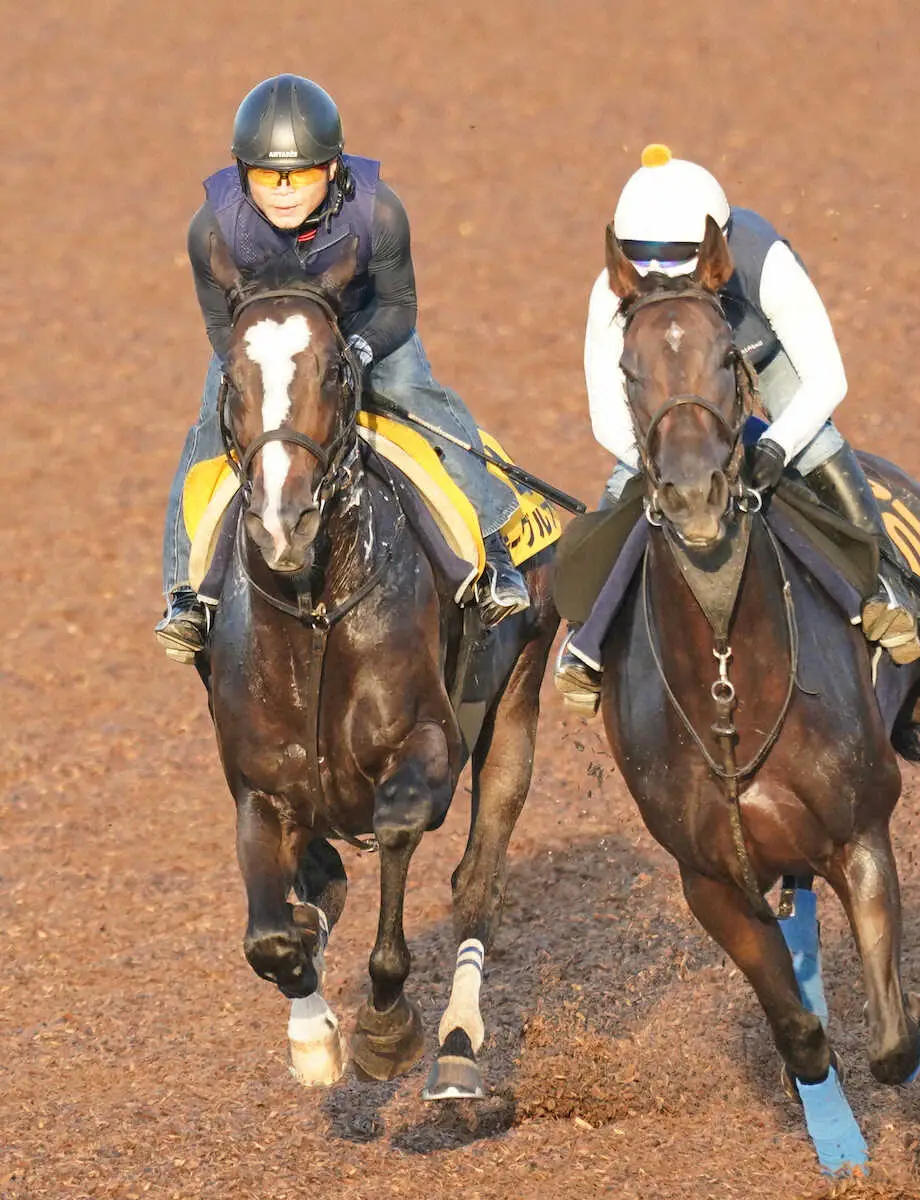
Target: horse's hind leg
{"x": 759, "y": 950}
{"x": 502, "y": 767}
{"x": 864, "y": 875}
{"x": 414, "y": 790}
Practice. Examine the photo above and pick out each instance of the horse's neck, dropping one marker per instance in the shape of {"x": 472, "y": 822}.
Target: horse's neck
{"x": 355, "y": 531}
{"x": 684, "y": 634}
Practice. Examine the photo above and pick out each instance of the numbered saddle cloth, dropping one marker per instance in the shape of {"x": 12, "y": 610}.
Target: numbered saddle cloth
{"x": 211, "y": 485}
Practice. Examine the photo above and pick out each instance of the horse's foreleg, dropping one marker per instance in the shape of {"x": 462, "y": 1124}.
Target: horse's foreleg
{"x": 318, "y": 1049}
{"x": 864, "y": 875}
{"x": 276, "y": 947}
{"x": 415, "y": 785}
{"x": 759, "y": 950}
{"x": 502, "y": 767}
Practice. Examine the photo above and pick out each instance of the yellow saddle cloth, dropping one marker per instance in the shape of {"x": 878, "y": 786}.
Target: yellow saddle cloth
{"x": 534, "y": 525}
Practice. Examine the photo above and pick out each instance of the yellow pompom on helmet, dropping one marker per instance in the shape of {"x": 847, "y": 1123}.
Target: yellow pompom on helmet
{"x": 660, "y": 218}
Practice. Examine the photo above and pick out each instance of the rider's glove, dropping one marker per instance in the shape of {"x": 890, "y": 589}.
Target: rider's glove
{"x": 361, "y": 350}
{"x": 768, "y": 460}
{"x": 363, "y": 357}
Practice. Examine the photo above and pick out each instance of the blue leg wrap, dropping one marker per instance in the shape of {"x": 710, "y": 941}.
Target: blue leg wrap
{"x": 837, "y": 1138}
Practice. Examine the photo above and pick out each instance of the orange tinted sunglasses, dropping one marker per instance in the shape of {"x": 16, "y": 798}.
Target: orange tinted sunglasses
{"x": 301, "y": 177}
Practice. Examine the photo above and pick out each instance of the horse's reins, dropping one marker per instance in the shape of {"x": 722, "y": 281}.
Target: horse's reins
{"x": 722, "y": 690}
{"x": 333, "y": 458}
{"x": 745, "y": 396}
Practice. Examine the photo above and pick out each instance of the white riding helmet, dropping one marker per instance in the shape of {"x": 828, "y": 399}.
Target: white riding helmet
{"x": 660, "y": 219}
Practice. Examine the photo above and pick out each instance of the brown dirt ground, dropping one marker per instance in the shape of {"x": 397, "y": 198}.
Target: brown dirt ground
{"x": 141, "y": 1057}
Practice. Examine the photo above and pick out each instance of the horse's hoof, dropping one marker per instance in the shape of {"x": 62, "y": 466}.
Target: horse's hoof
{"x": 453, "y": 1077}
{"x": 319, "y": 1053}
{"x": 387, "y": 1044}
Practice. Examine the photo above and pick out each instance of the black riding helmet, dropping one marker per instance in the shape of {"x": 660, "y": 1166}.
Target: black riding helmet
{"x": 287, "y": 122}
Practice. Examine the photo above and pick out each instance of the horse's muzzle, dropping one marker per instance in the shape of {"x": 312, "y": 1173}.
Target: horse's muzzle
{"x": 287, "y": 545}
{"x": 696, "y": 510}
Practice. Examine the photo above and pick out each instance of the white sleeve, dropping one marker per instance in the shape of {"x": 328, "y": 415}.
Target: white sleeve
{"x": 610, "y": 416}
{"x": 790, "y": 302}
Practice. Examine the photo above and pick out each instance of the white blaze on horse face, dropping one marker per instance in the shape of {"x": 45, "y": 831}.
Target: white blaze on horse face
{"x": 674, "y": 336}
{"x": 273, "y": 346}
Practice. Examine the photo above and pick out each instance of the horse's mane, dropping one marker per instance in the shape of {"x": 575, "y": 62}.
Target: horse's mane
{"x": 282, "y": 271}
{"x": 286, "y": 273}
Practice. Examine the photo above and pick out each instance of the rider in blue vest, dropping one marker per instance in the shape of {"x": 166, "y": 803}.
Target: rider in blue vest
{"x": 293, "y": 189}
{"x": 779, "y": 321}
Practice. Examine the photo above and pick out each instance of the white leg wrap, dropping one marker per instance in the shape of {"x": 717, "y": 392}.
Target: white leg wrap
{"x": 318, "y": 1051}
{"x": 463, "y": 1010}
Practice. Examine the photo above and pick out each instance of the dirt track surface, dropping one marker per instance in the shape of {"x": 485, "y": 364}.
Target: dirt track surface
{"x": 141, "y": 1056}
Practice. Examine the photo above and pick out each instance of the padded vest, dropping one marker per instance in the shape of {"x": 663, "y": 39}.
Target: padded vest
{"x": 253, "y": 241}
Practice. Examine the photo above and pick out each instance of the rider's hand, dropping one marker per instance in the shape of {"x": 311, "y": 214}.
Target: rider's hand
{"x": 363, "y": 357}
{"x": 768, "y": 460}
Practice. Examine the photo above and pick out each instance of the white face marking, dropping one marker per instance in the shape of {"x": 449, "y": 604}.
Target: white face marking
{"x": 674, "y": 336}
{"x": 272, "y": 346}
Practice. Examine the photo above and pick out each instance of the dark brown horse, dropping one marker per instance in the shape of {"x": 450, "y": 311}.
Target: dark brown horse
{"x": 787, "y": 716}
{"x": 332, "y": 654}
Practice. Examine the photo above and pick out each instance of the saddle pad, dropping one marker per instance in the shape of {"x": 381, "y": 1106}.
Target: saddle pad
{"x": 209, "y": 487}
{"x": 899, "y": 506}
{"x": 531, "y": 528}
{"x": 450, "y": 509}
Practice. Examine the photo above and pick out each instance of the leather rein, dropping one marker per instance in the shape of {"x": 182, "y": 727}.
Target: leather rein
{"x": 745, "y": 398}
{"x": 335, "y": 459}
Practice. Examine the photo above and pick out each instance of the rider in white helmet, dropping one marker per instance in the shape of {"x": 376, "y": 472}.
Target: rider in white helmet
{"x": 782, "y": 326}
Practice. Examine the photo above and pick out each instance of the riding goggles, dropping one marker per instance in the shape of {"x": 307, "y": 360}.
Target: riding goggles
{"x": 664, "y": 254}
{"x": 298, "y": 178}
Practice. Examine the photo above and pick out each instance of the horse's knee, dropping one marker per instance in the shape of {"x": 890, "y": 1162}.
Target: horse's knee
{"x": 403, "y": 808}
{"x": 281, "y": 957}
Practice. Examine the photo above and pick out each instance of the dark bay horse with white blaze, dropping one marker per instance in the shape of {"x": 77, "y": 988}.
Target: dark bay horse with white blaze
{"x": 331, "y": 656}
{"x": 772, "y": 758}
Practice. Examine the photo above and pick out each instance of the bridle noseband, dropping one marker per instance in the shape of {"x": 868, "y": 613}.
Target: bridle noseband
{"x": 331, "y": 458}
{"x": 745, "y": 395}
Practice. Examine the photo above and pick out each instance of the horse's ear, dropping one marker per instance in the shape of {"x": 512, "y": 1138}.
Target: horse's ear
{"x": 223, "y": 268}
{"x": 625, "y": 280}
{"x": 715, "y": 265}
{"x": 340, "y": 274}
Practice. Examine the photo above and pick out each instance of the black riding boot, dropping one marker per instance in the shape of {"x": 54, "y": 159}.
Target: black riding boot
{"x": 890, "y": 616}
{"x": 502, "y": 590}
{"x": 184, "y": 628}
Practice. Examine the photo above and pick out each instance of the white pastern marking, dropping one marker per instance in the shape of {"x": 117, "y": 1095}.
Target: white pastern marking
{"x": 674, "y": 336}
{"x": 273, "y": 346}
{"x": 462, "y": 1011}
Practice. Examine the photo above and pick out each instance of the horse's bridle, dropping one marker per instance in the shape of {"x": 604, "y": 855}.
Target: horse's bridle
{"x": 332, "y": 458}
{"x": 745, "y": 394}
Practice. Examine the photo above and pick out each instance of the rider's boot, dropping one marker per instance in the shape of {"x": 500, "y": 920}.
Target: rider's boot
{"x": 890, "y": 616}
{"x": 502, "y": 590}
{"x": 579, "y": 684}
{"x": 184, "y": 628}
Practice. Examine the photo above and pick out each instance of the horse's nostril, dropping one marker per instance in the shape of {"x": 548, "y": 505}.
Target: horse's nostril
{"x": 671, "y": 499}
{"x": 718, "y": 490}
